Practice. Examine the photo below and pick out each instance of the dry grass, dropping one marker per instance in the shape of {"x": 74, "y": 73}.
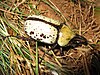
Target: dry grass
{"x": 26, "y": 57}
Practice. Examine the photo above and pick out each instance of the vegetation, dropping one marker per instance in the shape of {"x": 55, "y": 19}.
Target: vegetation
{"x": 21, "y": 55}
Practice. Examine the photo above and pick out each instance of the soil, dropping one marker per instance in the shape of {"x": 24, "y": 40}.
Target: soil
{"x": 82, "y": 18}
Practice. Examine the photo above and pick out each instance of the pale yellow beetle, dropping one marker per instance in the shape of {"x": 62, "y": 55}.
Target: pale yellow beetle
{"x": 50, "y": 31}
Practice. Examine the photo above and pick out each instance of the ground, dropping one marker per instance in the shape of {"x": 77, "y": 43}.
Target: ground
{"x": 82, "y": 16}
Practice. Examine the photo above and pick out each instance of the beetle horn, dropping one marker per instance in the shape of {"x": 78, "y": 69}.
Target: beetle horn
{"x": 77, "y": 40}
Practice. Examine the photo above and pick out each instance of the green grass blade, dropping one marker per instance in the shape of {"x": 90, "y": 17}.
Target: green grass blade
{"x": 37, "y": 64}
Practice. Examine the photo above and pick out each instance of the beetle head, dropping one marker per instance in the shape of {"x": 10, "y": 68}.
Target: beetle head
{"x": 76, "y": 41}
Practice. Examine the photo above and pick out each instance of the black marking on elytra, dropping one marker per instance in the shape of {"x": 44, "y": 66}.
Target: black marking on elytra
{"x": 53, "y": 35}
{"x": 37, "y": 19}
{"x": 26, "y": 23}
{"x": 38, "y": 39}
{"x": 34, "y": 37}
{"x": 25, "y": 28}
{"x": 47, "y": 37}
{"x": 50, "y": 36}
{"x": 42, "y": 35}
{"x": 54, "y": 30}
{"x": 29, "y": 23}
{"x": 31, "y": 32}
{"x": 51, "y": 41}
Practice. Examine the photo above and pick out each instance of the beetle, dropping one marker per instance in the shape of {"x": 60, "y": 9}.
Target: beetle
{"x": 49, "y": 31}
